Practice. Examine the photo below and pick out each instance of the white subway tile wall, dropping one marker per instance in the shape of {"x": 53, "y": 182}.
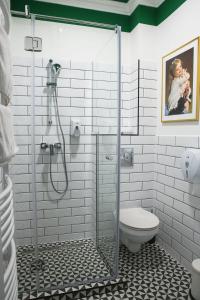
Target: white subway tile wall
{"x": 177, "y": 202}
{"x": 137, "y": 180}
{"x": 73, "y": 217}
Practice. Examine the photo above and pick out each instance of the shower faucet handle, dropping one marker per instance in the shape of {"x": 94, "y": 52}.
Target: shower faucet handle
{"x": 57, "y": 146}
{"x": 44, "y": 146}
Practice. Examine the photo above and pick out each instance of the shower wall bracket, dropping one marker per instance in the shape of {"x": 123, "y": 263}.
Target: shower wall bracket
{"x": 33, "y": 44}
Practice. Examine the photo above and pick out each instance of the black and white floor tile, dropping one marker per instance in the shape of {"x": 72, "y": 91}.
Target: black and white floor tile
{"x": 150, "y": 274}
{"x": 60, "y": 264}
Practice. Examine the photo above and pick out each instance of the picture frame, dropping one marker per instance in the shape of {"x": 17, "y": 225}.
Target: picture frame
{"x": 181, "y": 83}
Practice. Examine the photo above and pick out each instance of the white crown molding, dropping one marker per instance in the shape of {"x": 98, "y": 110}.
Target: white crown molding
{"x": 107, "y": 5}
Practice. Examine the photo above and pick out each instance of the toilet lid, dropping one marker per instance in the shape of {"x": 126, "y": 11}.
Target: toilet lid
{"x": 138, "y": 218}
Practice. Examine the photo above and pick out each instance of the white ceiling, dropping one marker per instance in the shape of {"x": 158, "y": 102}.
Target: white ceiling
{"x": 108, "y": 5}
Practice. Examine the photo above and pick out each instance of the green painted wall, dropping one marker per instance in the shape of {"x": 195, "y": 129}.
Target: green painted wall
{"x": 142, "y": 14}
{"x": 166, "y": 9}
{"x": 58, "y": 10}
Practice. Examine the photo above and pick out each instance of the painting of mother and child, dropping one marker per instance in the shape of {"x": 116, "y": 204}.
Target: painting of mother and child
{"x": 180, "y": 80}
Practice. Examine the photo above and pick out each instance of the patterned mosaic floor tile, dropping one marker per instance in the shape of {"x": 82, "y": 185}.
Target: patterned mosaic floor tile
{"x": 60, "y": 264}
{"x": 151, "y": 274}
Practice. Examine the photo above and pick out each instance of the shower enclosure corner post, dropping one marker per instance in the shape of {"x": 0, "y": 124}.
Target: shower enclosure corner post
{"x": 33, "y": 161}
{"x": 119, "y": 69}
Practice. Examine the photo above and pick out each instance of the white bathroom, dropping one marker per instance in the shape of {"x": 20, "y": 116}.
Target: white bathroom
{"x": 99, "y": 163}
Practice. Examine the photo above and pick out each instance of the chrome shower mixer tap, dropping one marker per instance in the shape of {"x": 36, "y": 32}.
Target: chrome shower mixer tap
{"x": 56, "y": 146}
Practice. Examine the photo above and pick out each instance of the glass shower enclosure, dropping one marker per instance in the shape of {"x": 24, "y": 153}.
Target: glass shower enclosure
{"x": 75, "y": 159}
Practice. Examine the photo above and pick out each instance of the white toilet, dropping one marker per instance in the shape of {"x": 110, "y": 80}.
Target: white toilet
{"x": 137, "y": 226}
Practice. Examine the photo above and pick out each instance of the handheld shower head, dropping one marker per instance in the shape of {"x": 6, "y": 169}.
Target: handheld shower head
{"x": 56, "y": 69}
{"x": 53, "y": 71}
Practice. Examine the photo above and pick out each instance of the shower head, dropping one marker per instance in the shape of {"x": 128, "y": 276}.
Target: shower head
{"x": 53, "y": 71}
{"x": 56, "y": 69}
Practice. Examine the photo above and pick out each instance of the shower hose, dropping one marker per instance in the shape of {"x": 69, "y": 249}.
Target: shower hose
{"x": 61, "y": 192}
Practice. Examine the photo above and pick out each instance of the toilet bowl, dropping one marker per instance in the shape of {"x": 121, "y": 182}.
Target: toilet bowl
{"x": 137, "y": 226}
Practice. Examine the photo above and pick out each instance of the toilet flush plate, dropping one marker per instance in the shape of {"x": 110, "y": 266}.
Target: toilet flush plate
{"x": 126, "y": 156}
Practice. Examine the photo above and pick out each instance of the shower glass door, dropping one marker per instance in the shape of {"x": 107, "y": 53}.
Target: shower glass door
{"x": 106, "y": 128}
{"x": 75, "y": 146}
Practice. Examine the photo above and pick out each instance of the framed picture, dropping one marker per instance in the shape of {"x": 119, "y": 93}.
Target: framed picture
{"x": 181, "y": 83}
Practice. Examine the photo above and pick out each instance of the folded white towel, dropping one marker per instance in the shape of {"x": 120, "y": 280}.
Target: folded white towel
{"x": 8, "y": 147}
{"x": 5, "y": 67}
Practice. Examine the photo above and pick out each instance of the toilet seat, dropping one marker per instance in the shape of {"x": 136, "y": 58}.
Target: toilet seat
{"x": 138, "y": 219}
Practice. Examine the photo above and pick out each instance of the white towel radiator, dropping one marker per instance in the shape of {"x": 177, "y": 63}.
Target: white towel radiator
{"x": 8, "y": 268}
